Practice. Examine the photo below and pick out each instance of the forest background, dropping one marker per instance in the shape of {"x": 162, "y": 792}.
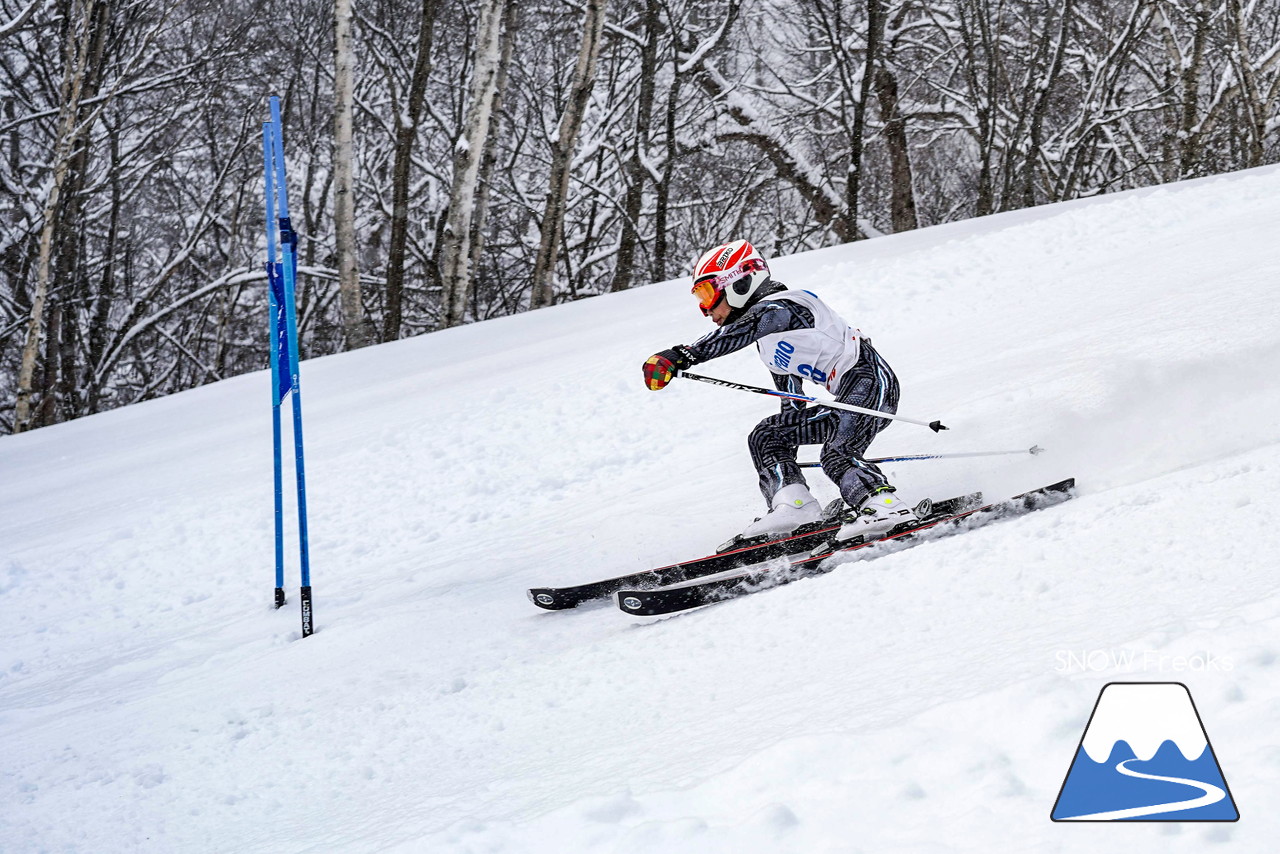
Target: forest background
{"x": 458, "y": 160}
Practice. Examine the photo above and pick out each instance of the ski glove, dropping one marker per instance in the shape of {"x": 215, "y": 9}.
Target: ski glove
{"x": 661, "y": 368}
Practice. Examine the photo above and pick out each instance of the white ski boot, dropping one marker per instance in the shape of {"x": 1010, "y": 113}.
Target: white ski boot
{"x": 880, "y": 514}
{"x": 793, "y": 506}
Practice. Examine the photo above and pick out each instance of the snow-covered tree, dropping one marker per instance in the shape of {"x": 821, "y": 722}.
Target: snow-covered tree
{"x": 510, "y": 154}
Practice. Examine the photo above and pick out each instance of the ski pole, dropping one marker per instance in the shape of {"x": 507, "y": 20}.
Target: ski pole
{"x": 935, "y": 426}
{"x": 1033, "y": 450}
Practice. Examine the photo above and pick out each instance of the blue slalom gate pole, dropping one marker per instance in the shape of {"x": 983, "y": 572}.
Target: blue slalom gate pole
{"x": 274, "y": 286}
{"x": 278, "y": 203}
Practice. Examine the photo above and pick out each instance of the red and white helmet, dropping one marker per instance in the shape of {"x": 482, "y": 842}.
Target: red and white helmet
{"x": 733, "y": 271}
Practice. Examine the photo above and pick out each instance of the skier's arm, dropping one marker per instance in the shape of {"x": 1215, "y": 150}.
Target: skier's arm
{"x": 762, "y": 319}
{"x": 765, "y": 318}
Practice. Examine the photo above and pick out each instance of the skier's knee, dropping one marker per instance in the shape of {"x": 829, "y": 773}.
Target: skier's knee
{"x": 762, "y": 436}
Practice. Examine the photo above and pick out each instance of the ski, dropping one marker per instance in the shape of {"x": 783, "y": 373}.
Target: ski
{"x": 698, "y": 592}
{"x": 736, "y": 555}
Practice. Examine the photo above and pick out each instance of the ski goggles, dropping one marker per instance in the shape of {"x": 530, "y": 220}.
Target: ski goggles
{"x": 709, "y": 288}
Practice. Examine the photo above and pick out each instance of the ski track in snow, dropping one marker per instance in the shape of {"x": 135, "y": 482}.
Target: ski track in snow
{"x": 150, "y": 699}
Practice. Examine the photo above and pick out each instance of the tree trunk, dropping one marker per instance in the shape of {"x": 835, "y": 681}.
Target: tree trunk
{"x": 633, "y": 203}
{"x": 903, "y": 197}
{"x": 406, "y": 124}
{"x": 80, "y": 43}
{"x": 1189, "y": 149}
{"x": 662, "y": 192}
{"x": 853, "y": 173}
{"x": 61, "y": 399}
{"x": 480, "y": 218}
{"x": 468, "y": 152}
{"x": 101, "y": 305}
{"x": 1255, "y": 114}
{"x": 344, "y": 202}
{"x": 584, "y": 75}
{"x": 983, "y": 80}
{"x": 1040, "y": 106}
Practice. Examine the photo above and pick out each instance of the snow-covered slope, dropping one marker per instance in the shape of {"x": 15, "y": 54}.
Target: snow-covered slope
{"x": 150, "y": 699}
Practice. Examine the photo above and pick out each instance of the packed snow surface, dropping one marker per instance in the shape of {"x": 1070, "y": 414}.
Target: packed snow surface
{"x": 929, "y": 701}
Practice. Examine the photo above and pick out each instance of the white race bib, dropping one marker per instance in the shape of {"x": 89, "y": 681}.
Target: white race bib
{"x": 822, "y": 354}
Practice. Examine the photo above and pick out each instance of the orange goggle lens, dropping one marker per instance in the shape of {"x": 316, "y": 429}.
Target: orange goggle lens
{"x": 707, "y": 293}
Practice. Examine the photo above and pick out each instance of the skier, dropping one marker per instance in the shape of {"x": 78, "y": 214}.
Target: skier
{"x": 798, "y": 337}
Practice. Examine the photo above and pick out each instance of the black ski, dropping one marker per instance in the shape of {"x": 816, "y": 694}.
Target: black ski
{"x": 806, "y": 538}
{"x": 681, "y": 597}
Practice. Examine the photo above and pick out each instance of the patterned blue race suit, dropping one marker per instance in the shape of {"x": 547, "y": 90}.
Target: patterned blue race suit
{"x": 787, "y": 326}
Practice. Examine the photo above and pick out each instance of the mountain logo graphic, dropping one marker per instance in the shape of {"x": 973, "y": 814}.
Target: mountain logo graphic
{"x": 1145, "y": 756}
